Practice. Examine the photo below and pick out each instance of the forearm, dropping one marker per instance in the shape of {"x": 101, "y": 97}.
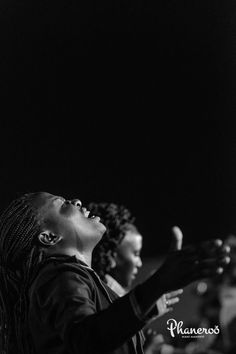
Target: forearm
{"x": 106, "y": 330}
{"x": 147, "y": 294}
{"x": 112, "y": 327}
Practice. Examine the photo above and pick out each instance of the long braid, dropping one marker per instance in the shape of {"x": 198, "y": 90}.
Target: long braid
{"x": 19, "y": 255}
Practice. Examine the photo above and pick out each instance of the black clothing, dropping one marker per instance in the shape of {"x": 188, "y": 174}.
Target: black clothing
{"x": 73, "y": 311}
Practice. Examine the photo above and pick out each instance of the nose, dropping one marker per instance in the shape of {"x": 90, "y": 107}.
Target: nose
{"x": 76, "y": 202}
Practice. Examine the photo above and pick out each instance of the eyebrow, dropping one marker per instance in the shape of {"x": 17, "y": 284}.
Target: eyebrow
{"x": 58, "y": 197}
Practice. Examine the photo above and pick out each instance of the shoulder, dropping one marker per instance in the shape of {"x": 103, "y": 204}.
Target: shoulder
{"x": 63, "y": 276}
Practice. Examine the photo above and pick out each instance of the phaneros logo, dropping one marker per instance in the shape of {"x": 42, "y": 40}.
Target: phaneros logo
{"x": 176, "y": 328}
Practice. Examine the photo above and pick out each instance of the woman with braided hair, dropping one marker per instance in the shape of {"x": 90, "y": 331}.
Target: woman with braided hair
{"x": 19, "y": 257}
{"x": 52, "y": 301}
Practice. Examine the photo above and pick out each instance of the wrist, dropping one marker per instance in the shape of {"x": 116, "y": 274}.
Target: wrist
{"x": 147, "y": 293}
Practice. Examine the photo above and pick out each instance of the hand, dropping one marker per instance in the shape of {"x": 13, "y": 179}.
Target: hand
{"x": 182, "y": 267}
{"x": 166, "y": 301}
{"x": 155, "y": 344}
{"x": 193, "y": 263}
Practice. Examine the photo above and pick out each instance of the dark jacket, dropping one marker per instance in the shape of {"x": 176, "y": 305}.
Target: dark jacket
{"x": 73, "y": 311}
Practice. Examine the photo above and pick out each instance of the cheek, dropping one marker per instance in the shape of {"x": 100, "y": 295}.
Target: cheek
{"x": 127, "y": 264}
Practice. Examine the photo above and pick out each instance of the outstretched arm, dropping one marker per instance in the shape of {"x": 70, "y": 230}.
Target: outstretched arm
{"x": 166, "y": 301}
{"x": 182, "y": 267}
{"x": 67, "y": 303}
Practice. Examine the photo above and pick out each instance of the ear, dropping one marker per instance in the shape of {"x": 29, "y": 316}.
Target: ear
{"x": 113, "y": 260}
{"x": 47, "y": 238}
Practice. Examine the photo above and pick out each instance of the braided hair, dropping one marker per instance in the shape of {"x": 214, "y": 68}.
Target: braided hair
{"x": 19, "y": 256}
{"x": 118, "y": 220}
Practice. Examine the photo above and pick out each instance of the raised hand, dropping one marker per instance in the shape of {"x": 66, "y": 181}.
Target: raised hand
{"x": 193, "y": 263}
{"x": 166, "y": 301}
{"x": 182, "y": 267}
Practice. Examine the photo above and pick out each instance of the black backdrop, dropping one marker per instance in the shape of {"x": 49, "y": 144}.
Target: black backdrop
{"x": 124, "y": 101}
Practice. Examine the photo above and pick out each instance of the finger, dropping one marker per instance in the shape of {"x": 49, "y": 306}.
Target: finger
{"x": 201, "y": 269}
{"x": 158, "y": 340}
{"x": 211, "y": 246}
{"x": 227, "y": 248}
{"x": 207, "y": 249}
{"x": 213, "y": 262}
{"x": 160, "y": 337}
{"x": 177, "y": 239}
{"x": 219, "y": 270}
{"x": 224, "y": 251}
{"x": 208, "y": 245}
{"x": 220, "y": 251}
{"x": 206, "y": 272}
{"x": 210, "y": 272}
{"x": 172, "y": 301}
{"x": 169, "y": 309}
{"x": 174, "y": 293}
{"x": 149, "y": 331}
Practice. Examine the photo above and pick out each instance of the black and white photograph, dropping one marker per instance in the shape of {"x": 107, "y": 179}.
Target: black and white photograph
{"x": 118, "y": 177}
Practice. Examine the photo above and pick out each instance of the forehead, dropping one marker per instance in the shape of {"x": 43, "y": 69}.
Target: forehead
{"x": 132, "y": 239}
{"x": 43, "y": 199}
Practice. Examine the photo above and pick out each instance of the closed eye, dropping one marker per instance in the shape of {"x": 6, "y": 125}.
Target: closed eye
{"x": 60, "y": 199}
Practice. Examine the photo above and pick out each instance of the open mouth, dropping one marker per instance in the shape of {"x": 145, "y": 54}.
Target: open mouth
{"x": 93, "y": 217}
{"x": 88, "y": 215}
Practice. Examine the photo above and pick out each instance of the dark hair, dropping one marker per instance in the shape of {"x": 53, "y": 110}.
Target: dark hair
{"x": 118, "y": 220}
{"x": 19, "y": 254}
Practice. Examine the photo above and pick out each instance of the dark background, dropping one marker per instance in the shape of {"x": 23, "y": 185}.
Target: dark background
{"x": 123, "y": 101}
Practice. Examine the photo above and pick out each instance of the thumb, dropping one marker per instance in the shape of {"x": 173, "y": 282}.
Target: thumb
{"x": 177, "y": 239}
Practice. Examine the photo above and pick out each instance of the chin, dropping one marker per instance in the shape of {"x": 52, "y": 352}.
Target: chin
{"x": 101, "y": 232}
{"x": 126, "y": 284}
{"x": 103, "y": 229}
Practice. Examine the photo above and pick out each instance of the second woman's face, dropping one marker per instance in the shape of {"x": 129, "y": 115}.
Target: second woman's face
{"x": 69, "y": 220}
{"x": 128, "y": 259}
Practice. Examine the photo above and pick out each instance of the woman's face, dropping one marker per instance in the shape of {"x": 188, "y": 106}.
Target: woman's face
{"x": 69, "y": 220}
{"x": 128, "y": 259}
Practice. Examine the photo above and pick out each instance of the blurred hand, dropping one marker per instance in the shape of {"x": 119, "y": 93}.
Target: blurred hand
{"x": 166, "y": 301}
{"x": 153, "y": 342}
{"x": 181, "y": 267}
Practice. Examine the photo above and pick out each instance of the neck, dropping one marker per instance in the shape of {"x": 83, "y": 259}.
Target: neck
{"x": 85, "y": 257}
{"x": 116, "y": 275}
